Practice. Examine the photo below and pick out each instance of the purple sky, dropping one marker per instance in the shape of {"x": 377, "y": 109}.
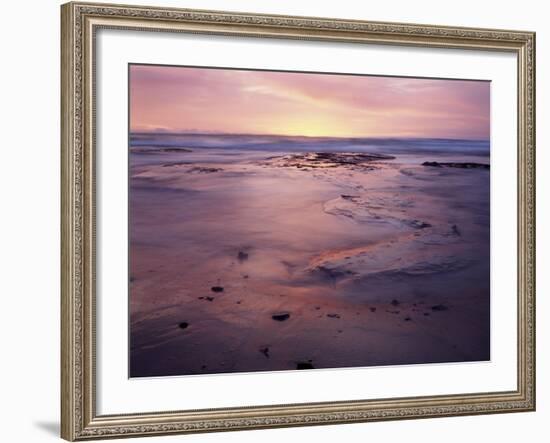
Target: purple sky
{"x": 259, "y": 102}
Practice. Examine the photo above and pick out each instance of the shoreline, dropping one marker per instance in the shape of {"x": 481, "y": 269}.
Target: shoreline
{"x": 287, "y": 235}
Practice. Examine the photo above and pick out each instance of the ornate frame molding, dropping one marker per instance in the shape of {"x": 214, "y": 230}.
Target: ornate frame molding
{"x": 79, "y": 23}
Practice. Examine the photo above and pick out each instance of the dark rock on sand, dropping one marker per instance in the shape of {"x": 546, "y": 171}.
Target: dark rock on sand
{"x": 281, "y": 316}
{"x": 333, "y": 315}
{"x": 205, "y": 170}
{"x": 395, "y": 302}
{"x": 455, "y": 230}
{"x": 265, "y": 351}
{"x": 417, "y": 224}
{"x": 439, "y": 308}
{"x": 407, "y": 319}
{"x": 183, "y": 325}
{"x": 331, "y": 274}
{"x": 216, "y": 288}
{"x": 304, "y": 365}
{"x": 465, "y": 165}
{"x": 242, "y": 256}
{"x": 372, "y": 309}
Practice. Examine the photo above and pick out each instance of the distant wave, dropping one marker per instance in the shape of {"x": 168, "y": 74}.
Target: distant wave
{"x": 307, "y": 144}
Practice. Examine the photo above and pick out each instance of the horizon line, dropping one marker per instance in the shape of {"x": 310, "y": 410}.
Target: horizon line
{"x": 176, "y": 133}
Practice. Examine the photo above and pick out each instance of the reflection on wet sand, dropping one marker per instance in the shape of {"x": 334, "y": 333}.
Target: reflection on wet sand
{"x": 262, "y": 260}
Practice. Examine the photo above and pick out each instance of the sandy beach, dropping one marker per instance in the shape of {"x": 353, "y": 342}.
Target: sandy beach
{"x": 260, "y": 260}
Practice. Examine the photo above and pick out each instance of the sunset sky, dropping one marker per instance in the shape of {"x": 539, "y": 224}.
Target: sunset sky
{"x": 175, "y": 99}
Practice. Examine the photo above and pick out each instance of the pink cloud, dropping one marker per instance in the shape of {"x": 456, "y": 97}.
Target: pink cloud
{"x": 238, "y": 101}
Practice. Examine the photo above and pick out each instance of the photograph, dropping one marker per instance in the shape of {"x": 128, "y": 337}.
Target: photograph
{"x": 285, "y": 220}
{"x": 287, "y": 217}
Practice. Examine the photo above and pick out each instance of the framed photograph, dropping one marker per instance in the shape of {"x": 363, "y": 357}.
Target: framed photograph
{"x": 282, "y": 221}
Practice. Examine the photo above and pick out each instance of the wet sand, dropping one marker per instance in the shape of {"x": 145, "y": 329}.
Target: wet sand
{"x": 247, "y": 260}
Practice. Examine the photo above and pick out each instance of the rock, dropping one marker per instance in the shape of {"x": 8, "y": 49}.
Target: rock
{"x": 417, "y": 224}
{"x": 426, "y": 314}
{"x": 242, "y": 256}
{"x": 204, "y": 170}
{"x": 372, "y": 309}
{"x": 455, "y": 230}
{"x": 317, "y": 308}
{"x": 395, "y": 302}
{"x": 183, "y": 325}
{"x": 281, "y": 316}
{"x": 304, "y": 365}
{"x": 433, "y": 164}
{"x": 265, "y": 351}
{"x": 407, "y": 319}
{"x": 132, "y": 279}
{"x": 330, "y": 274}
{"x": 216, "y": 288}
{"x": 333, "y": 315}
{"x": 439, "y": 308}
{"x": 209, "y": 298}
{"x": 464, "y": 165}
{"x": 320, "y": 160}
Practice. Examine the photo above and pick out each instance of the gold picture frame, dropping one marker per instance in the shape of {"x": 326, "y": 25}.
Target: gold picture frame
{"x": 79, "y": 22}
